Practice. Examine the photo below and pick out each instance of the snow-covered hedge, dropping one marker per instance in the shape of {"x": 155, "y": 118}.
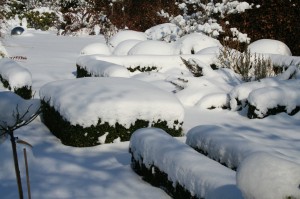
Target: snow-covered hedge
{"x": 265, "y": 176}
{"x": 230, "y": 145}
{"x": 89, "y": 66}
{"x": 239, "y": 94}
{"x": 90, "y": 111}
{"x": 148, "y": 62}
{"x": 15, "y": 77}
{"x": 172, "y": 165}
{"x": 272, "y": 100}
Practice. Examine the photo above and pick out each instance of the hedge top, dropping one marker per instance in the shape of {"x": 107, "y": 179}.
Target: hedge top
{"x": 84, "y": 101}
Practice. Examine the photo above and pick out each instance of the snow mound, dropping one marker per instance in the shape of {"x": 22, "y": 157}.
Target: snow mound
{"x": 152, "y": 47}
{"x": 164, "y": 32}
{"x": 16, "y": 75}
{"x": 113, "y": 100}
{"x": 264, "y": 99}
{"x": 198, "y": 174}
{"x": 192, "y": 43}
{"x": 209, "y": 50}
{"x": 265, "y": 176}
{"x": 11, "y": 104}
{"x": 95, "y": 48}
{"x": 124, "y": 47}
{"x": 269, "y": 46}
{"x": 126, "y": 35}
{"x": 98, "y": 68}
{"x": 214, "y": 100}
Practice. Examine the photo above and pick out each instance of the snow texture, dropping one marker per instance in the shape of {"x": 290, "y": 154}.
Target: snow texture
{"x": 100, "y": 68}
{"x": 16, "y": 75}
{"x": 269, "y": 46}
{"x": 123, "y": 47}
{"x": 195, "y": 42}
{"x": 112, "y": 100}
{"x": 265, "y": 176}
{"x": 200, "y": 175}
{"x": 126, "y": 35}
{"x": 287, "y": 95}
{"x": 12, "y": 105}
{"x": 95, "y": 48}
{"x": 217, "y": 142}
{"x": 168, "y": 32}
{"x": 152, "y": 47}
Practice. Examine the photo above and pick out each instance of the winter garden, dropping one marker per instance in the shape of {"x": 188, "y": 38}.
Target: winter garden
{"x": 153, "y": 114}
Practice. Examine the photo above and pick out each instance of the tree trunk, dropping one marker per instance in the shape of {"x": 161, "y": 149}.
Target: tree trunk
{"x": 16, "y": 162}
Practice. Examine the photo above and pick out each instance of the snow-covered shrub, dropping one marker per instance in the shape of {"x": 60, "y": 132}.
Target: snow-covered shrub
{"x": 269, "y": 46}
{"x": 194, "y": 42}
{"x": 273, "y": 100}
{"x": 124, "y": 35}
{"x": 164, "y": 32}
{"x": 199, "y": 16}
{"x": 214, "y": 100}
{"x": 95, "y": 48}
{"x": 266, "y": 176}
{"x": 107, "y": 109}
{"x": 168, "y": 163}
{"x": 250, "y": 66}
{"x": 124, "y": 47}
{"x": 15, "y": 78}
{"x": 88, "y": 66}
{"x": 152, "y": 47}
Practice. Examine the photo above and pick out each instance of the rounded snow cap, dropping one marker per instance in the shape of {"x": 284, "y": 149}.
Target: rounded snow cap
{"x": 17, "y": 30}
{"x": 269, "y": 46}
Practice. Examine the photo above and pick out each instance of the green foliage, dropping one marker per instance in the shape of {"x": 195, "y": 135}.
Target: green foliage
{"x": 25, "y": 91}
{"x": 41, "y": 21}
{"x": 194, "y": 68}
{"x": 79, "y": 136}
{"x": 81, "y": 72}
{"x": 160, "y": 179}
{"x": 142, "y": 69}
{"x": 273, "y": 111}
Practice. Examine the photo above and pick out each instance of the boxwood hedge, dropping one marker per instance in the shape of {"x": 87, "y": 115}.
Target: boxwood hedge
{"x": 78, "y": 136}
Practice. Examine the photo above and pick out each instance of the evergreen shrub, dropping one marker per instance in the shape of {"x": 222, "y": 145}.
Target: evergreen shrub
{"x": 160, "y": 179}
{"x": 24, "y": 92}
{"x": 79, "y": 136}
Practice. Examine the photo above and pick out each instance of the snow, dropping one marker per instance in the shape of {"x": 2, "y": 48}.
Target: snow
{"x": 269, "y": 46}
{"x": 168, "y": 32}
{"x": 266, "y": 176}
{"x": 112, "y": 100}
{"x": 95, "y": 48}
{"x": 58, "y": 171}
{"x": 287, "y": 95}
{"x": 123, "y": 47}
{"x": 217, "y": 140}
{"x": 195, "y": 42}
{"x": 152, "y": 47}
{"x": 200, "y": 175}
{"x": 100, "y": 68}
{"x": 16, "y": 75}
{"x": 11, "y": 104}
{"x": 126, "y": 35}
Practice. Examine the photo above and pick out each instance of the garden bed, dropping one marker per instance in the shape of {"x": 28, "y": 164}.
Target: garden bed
{"x": 178, "y": 169}
{"x": 91, "y": 111}
{"x": 16, "y": 78}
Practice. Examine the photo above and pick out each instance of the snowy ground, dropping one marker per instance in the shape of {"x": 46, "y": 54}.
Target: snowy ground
{"x": 59, "y": 171}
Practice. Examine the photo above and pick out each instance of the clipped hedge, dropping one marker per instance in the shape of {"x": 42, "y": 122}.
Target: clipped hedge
{"x": 179, "y": 170}
{"x": 84, "y": 137}
{"x": 81, "y": 72}
{"x": 160, "y": 179}
{"x": 24, "y": 92}
{"x": 253, "y": 111}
